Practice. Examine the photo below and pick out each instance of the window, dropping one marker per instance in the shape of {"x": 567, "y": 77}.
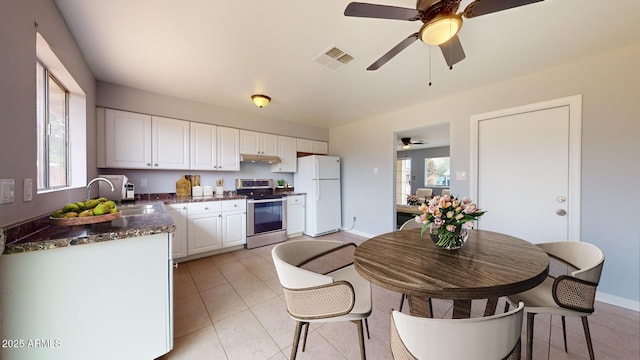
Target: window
{"x": 61, "y": 107}
{"x": 436, "y": 171}
{"x": 52, "y": 118}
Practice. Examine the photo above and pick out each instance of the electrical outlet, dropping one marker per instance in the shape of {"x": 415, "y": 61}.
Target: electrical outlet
{"x": 143, "y": 182}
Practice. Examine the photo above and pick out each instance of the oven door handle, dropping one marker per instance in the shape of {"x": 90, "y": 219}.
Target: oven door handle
{"x": 254, "y": 201}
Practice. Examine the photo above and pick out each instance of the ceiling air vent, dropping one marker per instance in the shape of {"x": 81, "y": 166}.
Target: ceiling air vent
{"x": 333, "y": 58}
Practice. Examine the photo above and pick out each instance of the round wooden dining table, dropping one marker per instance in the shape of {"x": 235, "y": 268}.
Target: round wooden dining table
{"x": 488, "y": 266}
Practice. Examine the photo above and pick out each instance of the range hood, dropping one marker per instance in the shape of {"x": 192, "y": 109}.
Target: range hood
{"x": 259, "y": 158}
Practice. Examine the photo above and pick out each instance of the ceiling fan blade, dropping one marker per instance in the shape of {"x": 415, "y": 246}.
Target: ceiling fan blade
{"x": 393, "y": 52}
{"x": 452, "y": 51}
{"x": 483, "y": 7}
{"x": 359, "y": 9}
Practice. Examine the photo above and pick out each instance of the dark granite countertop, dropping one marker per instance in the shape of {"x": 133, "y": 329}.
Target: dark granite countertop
{"x": 40, "y": 235}
{"x": 37, "y": 234}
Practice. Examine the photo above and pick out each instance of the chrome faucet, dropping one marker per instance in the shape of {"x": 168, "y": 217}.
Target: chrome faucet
{"x": 98, "y": 179}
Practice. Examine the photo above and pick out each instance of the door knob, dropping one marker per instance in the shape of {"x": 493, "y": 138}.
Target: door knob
{"x": 561, "y": 212}
{"x": 561, "y": 199}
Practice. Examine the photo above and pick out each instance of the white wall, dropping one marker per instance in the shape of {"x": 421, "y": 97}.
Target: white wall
{"x": 610, "y": 85}
{"x": 18, "y": 101}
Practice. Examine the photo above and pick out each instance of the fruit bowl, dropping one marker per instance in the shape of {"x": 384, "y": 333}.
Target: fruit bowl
{"x": 84, "y": 220}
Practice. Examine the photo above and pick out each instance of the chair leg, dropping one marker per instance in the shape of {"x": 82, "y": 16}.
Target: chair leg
{"x": 530, "y": 318}
{"x": 363, "y": 354}
{"x": 304, "y": 340}
{"x": 296, "y": 340}
{"x": 564, "y": 334}
{"x": 587, "y": 335}
{"x": 366, "y": 324}
{"x": 402, "y": 297}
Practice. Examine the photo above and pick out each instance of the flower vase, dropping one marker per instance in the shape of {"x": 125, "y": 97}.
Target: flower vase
{"x": 447, "y": 239}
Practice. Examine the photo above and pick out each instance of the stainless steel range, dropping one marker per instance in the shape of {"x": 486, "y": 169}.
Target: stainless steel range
{"x": 266, "y": 212}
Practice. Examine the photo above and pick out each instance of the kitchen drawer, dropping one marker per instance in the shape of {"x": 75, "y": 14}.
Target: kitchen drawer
{"x": 295, "y": 200}
{"x": 231, "y": 205}
{"x": 205, "y": 207}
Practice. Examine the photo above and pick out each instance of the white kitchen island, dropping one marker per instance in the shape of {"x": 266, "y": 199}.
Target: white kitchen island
{"x": 109, "y": 299}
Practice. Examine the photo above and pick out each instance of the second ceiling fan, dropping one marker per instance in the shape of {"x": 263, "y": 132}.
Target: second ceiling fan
{"x": 440, "y": 21}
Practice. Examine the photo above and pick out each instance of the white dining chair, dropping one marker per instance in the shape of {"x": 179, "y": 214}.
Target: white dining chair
{"x": 569, "y": 289}
{"x": 408, "y": 225}
{"x": 483, "y": 338}
{"x": 321, "y": 285}
{"x": 445, "y": 192}
{"x": 424, "y": 193}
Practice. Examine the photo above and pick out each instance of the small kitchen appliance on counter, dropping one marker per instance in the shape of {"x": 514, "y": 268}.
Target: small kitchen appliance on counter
{"x": 130, "y": 192}
{"x": 119, "y": 184}
{"x": 266, "y": 212}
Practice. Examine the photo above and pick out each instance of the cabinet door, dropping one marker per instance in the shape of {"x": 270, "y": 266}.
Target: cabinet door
{"x": 320, "y": 147}
{"x": 295, "y": 215}
{"x": 228, "y": 149}
{"x": 287, "y": 154}
{"x": 234, "y": 225}
{"x": 269, "y": 144}
{"x": 178, "y": 213}
{"x": 249, "y": 143}
{"x": 204, "y": 232}
{"x": 127, "y": 140}
{"x": 304, "y": 145}
{"x": 170, "y": 141}
{"x": 203, "y": 141}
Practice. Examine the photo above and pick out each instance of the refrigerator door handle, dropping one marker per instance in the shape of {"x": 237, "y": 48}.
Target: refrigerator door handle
{"x": 317, "y": 184}
{"x": 316, "y": 168}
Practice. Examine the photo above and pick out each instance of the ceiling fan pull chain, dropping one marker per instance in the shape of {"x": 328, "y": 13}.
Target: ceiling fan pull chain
{"x": 429, "y": 65}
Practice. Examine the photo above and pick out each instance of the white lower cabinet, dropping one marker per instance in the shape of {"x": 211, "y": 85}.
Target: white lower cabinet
{"x": 234, "y": 223}
{"x": 204, "y": 231}
{"x": 208, "y": 226}
{"x": 295, "y": 215}
{"x": 178, "y": 213}
{"x": 106, "y": 300}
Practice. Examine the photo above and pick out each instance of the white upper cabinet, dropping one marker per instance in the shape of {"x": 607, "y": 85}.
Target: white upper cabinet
{"x": 127, "y": 140}
{"x": 228, "y": 149}
{"x": 139, "y": 141}
{"x": 170, "y": 143}
{"x": 287, "y": 153}
{"x": 256, "y": 143}
{"x": 312, "y": 146}
{"x": 214, "y": 147}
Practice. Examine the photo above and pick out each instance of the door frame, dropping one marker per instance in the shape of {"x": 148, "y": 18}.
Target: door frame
{"x": 575, "y": 148}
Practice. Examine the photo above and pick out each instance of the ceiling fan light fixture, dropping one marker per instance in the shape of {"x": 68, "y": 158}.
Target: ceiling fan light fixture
{"x": 260, "y": 100}
{"x": 441, "y": 29}
{"x": 406, "y": 146}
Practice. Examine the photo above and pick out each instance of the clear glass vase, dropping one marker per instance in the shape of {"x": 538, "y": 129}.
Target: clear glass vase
{"x": 446, "y": 239}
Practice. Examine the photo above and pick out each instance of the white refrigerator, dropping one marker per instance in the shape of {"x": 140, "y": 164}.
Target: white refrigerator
{"x": 319, "y": 177}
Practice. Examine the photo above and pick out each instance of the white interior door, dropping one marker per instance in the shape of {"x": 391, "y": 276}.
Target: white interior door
{"x": 527, "y": 170}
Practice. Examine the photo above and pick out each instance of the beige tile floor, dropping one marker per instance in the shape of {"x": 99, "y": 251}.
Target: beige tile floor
{"x": 230, "y": 306}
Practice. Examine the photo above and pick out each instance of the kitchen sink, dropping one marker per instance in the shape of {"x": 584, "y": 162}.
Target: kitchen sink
{"x": 128, "y": 210}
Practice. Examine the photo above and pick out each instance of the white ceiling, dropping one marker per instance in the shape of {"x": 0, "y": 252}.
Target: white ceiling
{"x": 220, "y": 52}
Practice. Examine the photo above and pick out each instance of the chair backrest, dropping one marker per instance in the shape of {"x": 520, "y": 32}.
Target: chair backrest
{"x": 586, "y": 258}
{"x": 445, "y": 192}
{"x": 410, "y": 224}
{"x": 485, "y": 338}
{"x": 423, "y": 192}
{"x": 287, "y": 256}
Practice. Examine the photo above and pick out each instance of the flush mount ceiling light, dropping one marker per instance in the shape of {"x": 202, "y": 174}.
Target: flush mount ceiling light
{"x": 260, "y": 100}
{"x": 441, "y": 29}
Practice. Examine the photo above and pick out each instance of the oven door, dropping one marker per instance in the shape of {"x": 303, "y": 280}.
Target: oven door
{"x": 266, "y": 215}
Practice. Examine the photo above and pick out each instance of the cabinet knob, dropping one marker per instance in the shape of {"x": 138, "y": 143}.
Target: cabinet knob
{"x": 156, "y": 164}
{"x": 175, "y": 265}
{"x": 148, "y": 164}
{"x": 206, "y": 208}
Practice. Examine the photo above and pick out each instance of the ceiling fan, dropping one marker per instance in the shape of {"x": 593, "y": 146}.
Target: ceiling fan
{"x": 441, "y": 23}
{"x": 406, "y": 142}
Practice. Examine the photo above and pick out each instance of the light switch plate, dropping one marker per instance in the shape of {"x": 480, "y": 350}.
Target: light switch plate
{"x": 27, "y": 190}
{"x": 461, "y": 175}
{"x": 7, "y": 187}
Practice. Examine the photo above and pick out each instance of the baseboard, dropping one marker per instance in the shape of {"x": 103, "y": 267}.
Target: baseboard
{"x": 360, "y": 233}
{"x": 618, "y": 301}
